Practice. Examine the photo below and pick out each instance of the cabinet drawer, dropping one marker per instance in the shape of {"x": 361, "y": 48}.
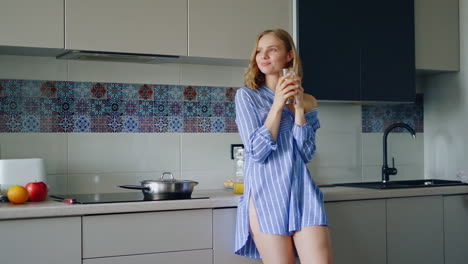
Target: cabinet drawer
{"x": 140, "y": 233}
{"x": 183, "y": 257}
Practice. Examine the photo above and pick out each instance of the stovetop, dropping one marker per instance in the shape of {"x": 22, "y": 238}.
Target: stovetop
{"x": 96, "y": 198}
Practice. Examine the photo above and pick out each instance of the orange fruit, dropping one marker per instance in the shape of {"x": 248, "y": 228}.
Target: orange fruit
{"x": 17, "y": 194}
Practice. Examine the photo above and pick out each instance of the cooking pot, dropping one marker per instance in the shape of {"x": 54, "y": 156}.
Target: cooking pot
{"x": 164, "y": 188}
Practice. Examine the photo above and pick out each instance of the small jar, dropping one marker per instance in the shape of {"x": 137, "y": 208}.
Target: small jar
{"x": 239, "y": 183}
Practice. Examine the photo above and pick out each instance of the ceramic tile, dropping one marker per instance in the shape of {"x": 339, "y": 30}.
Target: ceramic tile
{"x": 194, "y": 74}
{"x": 335, "y": 174}
{"x": 339, "y": 118}
{"x": 123, "y": 152}
{"x": 96, "y": 71}
{"x": 32, "y": 67}
{"x": 337, "y": 149}
{"x": 51, "y": 147}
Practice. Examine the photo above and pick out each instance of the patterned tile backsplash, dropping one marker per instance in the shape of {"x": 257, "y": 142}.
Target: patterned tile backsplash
{"x": 64, "y": 106}
{"x": 375, "y": 118}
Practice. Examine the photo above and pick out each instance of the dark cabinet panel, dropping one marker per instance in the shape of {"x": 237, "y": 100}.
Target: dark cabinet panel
{"x": 357, "y": 50}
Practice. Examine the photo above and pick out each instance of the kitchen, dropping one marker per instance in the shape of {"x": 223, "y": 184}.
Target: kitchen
{"x": 97, "y": 159}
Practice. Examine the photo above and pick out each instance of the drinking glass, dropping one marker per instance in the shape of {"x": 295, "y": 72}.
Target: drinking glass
{"x": 291, "y": 75}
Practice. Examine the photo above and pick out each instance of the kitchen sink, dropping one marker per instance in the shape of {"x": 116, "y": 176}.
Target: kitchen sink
{"x": 403, "y": 184}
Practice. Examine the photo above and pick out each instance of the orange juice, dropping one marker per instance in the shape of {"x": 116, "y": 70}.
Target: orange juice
{"x": 239, "y": 187}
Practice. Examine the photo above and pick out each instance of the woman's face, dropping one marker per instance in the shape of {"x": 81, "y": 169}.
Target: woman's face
{"x": 271, "y": 55}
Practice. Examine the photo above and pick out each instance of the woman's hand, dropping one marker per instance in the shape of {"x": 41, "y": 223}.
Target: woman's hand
{"x": 286, "y": 87}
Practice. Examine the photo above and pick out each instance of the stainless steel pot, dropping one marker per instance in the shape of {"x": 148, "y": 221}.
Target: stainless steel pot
{"x": 164, "y": 188}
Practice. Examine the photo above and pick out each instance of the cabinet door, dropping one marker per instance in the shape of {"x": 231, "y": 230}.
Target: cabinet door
{"x": 329, "y": 46}
{"x": 227, "y": 28}
{"x": 357, "y": 231}
{"x": 224, "y": 229}
{"x": 41, "y": 241}
{"x": 181, "y": 257}
{"x": 415, "y": 230}
{"x": 455, "y": 229}
{"x": 142, "y": 233}
{"x": 388, "y": 64}
{"x": 32, "y": 23}
{"x": 138, "y": 26}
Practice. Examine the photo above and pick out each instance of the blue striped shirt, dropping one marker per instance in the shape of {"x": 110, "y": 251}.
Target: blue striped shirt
{"x": 276, "y": 177}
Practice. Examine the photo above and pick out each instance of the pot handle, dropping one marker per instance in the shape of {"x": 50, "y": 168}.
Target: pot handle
{"x": 134, "y": 187}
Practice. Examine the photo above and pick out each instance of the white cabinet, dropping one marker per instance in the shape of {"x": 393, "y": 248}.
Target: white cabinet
{"x": 143, "y": 233}
{"x": 41, "y": 241}
{"x": 138, "y": 26}
{"x": 227, "y": 28}
{"x": 437, "y": 37}
{"x": 415, "y": 230}
{"x": 182, "y": 257}
{"x": 357, "y": 230}
{"x": 224, "y": 229}
{"x": 32, "y": 23}
{"x": 456, "y": 229}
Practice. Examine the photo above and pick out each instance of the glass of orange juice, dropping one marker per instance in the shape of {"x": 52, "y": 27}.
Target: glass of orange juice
{"x": 291, "y": 75}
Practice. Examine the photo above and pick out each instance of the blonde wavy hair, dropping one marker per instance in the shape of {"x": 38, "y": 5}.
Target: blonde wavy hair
{"x": 253, "y": 77}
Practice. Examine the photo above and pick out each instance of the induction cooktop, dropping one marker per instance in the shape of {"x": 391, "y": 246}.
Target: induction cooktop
{"x": 96, "y": 198}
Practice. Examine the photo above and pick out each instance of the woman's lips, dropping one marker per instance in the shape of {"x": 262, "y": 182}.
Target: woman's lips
{"x": 263, "y": 64}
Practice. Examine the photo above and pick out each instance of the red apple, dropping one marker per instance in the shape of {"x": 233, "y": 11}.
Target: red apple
{"x": 37, "y": 191}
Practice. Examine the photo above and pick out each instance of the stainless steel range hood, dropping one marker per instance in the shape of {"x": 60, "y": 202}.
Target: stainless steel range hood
{"x": 117, "y": 57}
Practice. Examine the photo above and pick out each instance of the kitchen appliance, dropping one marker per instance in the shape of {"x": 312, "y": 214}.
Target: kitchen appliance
{"x": 164, "y": 188}
{"x": 21, "y": 171}
{"x": 113, "y": 198}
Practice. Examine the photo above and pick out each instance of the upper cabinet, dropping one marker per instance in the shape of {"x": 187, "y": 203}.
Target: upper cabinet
{"x": 138, "y": 26}
{"x": 358, "y": 50}
{"x": 437, "y": 35}
{"x": 32, "y": 23}
{"x": 227, "y": 28}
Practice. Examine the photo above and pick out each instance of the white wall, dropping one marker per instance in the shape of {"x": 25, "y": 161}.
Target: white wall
{"x": 446, "y": 114}
{"x": 97, "y": 162}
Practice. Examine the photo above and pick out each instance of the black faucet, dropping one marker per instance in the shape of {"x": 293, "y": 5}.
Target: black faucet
{"x": 386, "y": 171}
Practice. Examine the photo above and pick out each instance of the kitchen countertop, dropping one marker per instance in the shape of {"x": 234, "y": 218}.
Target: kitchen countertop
{"x": 218, "y": 199}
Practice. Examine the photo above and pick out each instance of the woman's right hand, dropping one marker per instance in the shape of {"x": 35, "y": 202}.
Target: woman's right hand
{"x": 286, "y": 87}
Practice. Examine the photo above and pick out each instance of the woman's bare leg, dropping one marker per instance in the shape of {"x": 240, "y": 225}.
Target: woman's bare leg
{"x": 313, "y": 245}
{"x": 274, "y": 249}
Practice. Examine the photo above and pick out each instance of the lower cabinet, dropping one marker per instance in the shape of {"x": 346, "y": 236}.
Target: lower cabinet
{"x": 357, "y": 230}
{"x": 224, "y": 229}
{"x": 415, "y": 230}
{"x": 41, "y": 241}
{"x": 147, "y": 233}
{"x": 456, "y": 229}
{"x": 182, "y": 257}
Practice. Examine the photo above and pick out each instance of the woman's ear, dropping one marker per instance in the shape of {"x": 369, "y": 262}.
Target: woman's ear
{"x": 290, "y": 56}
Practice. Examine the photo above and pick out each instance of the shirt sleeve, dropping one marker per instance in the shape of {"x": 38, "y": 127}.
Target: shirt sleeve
{"x": 304, "y": 135}
{"x": 258, "y": 143}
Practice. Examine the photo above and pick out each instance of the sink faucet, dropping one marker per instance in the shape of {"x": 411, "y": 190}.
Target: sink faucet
{"x": 386, "y": 171}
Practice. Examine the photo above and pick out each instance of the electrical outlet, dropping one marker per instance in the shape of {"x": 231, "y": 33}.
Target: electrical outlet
{"x": 234, "y": 148}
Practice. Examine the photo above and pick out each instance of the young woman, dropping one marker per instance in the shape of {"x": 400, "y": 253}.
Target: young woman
{"x": 281, "y": 211}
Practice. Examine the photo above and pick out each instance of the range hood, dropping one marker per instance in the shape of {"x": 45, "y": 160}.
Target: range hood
{"x": 117, "y": 57}
{"x": 147, "y": 58}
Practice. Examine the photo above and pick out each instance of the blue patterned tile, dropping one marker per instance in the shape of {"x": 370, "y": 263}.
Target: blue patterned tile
{"x": 14, "y": 123}
{"x": 145, "y": 108}
{"x": 65, "y": 89}
{"x": 65, "y": 124}
{"x": 114, "y": 91}
{"x": 161, "y": 92}
{"x": 115, "y": 107}
{"x": 190, "y": 109}
{"x": 48, "y": 89}
{"x": 99, "y": 107}
{"x": 230, "y": 110}
{"x": 160, "y": 124}
{"x": 83, "y": 106}
{"x": 176, "y": 108}
{"x": 130, "y": 91}
{"x": 13, "y": 88}
{"x": 161, "y": 108}
{"x": 31, "y": 88}
{"x": 218, "y": 125}
{"x": 175, "y": 124}
{"x": 176, "y": 93}
{"x": 82, "y": 89}
{"x": 145, "y": 124}
{"x": 203, "y": 125}
{"x": 203, "y": 93}
{"x": 115, "y": 123}
{"x": 130, "y": 107}
{"x": 13, "y": 105}
{"x": 218, "y": 94}
{"x": 31, "y": 123}
{"x": 49, "y": 106}
{"x": 204, "y": 109}
{"x": 130, "y": 124}
{"x": 219, "y": 109}
{"x": 231, "y": 126}
{"x": 82, "y": 124}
